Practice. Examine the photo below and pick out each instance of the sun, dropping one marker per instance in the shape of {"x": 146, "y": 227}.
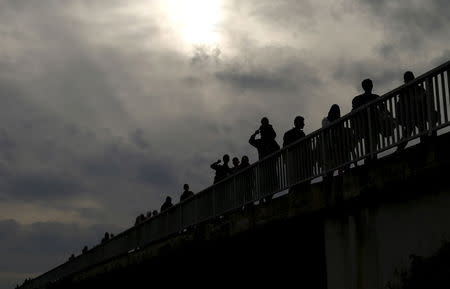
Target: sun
{"x": 195, "y": 21}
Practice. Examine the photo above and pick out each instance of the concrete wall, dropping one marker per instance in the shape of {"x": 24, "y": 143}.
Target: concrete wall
{"x": 371, "y": 247}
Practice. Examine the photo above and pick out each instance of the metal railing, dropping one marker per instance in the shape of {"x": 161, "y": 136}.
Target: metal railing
{"x": 412, "y": 110}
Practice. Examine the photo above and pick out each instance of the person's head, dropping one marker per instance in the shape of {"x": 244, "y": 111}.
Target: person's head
{"x": 367, "y": 85}
{"x": 299, "y": 122}
{"x": 226, "y": 159}
{"x": 106, "y": 235}
{"x": 264, "y": 121}
{"x": 408, "y": 76}
{"x": 168, "y": 199}
{"x": 155, "y": 212}
{"x": 235, "y": 161}
{"x": 244, "y": 160}
{"x": 186, "y": 187}
{"x": 334, "y": 113}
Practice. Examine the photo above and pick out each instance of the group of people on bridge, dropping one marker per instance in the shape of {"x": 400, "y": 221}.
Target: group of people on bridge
{"x": 414, "y": 104}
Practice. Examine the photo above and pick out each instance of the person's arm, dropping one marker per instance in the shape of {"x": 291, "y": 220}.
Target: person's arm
{"x": 252, "y": 139}
{"x": 214, "y": 166}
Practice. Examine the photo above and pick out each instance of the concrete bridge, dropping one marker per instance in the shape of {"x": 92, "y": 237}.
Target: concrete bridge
{"x": 357, "y": 229}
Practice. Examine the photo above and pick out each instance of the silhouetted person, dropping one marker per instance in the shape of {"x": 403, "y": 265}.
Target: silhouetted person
{"x": 335, "y": 153}
{"x": 362, "y": 131}
{"x": 333, "y": 115}
{"x": 236, "y": 165}
{"x": 366, "y": 97}
{"x": 266, "y": 144}
{"x": 167, "y": 204}
{"x": 71, "y": 257}
{"x": 105, "y": 238}
{"x": 412, "y": 110}
{"x": 244, "y": 162}
{"x": 186, "y": 193}
{"x": 137, "y": 221}
{"x": 85, "y": 249}
{"x": 295, "y": 133}
{"x": 222, "y": 170}
{"x": 246, "y": 187}
{"x": 267, "y": 181}
{"x": 148, "y": 215}
{"x": 155, "y": 213}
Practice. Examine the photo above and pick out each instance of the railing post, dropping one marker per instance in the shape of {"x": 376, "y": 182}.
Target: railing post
{"x": 324, "y": 163}
{"x": 430, "y": 104}
{"x": 371, "y": 129}
{"x": 286, "y": 162}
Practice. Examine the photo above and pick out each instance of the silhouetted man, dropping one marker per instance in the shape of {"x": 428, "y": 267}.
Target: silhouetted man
{"x": 186, "y": 193}
{"x": 266, "y": 144}
{"x": 363, "y": 131}
{"x": 85, "y": 249}
{"x": 366, "y": 97}
{"x": 222, "y": 170}
{"x": 236, "y": 164}
{"x": 295, "y": 133}
{"x": 155, "y": 213}
{"x": 167, "y": 204}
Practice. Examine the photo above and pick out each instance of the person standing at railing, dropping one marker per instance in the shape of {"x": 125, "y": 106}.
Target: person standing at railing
{"x": 236, "y": 165}
{"x": 105, "y": 238}
{"x": 222, "y": 170}
{"x": 291, "y": 136}
{"x": 335, "y": 151}
{"x": 186, "y": 193}
{"x": 266, "y": 145}
{"x": 360, "y": 123}
{"x": 167, "y": 204}
{"x": 412, "y": 110}
{"x": 244, "y": 163}
{"x": 296, "y": 132}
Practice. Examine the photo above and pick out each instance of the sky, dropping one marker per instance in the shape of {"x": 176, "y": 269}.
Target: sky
{"x": 108, "y": 106}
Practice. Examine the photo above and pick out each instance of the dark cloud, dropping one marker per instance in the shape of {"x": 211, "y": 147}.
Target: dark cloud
{"x": 44, "y": 244}
{"x": 412, "y": 24}
{"x": 41, "y": 187}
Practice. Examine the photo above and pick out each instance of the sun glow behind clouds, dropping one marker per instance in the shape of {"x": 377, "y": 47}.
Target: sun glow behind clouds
{"x": 196, "y": 21}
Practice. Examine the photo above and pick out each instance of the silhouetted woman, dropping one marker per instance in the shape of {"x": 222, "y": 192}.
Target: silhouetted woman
{"x": 333, "y": 115}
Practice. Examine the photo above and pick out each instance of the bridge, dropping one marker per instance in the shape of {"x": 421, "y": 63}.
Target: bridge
{"x": 356, "y": 229}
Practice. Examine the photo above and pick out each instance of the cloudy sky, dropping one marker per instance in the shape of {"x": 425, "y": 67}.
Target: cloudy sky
{"x": 109, "y": 105}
